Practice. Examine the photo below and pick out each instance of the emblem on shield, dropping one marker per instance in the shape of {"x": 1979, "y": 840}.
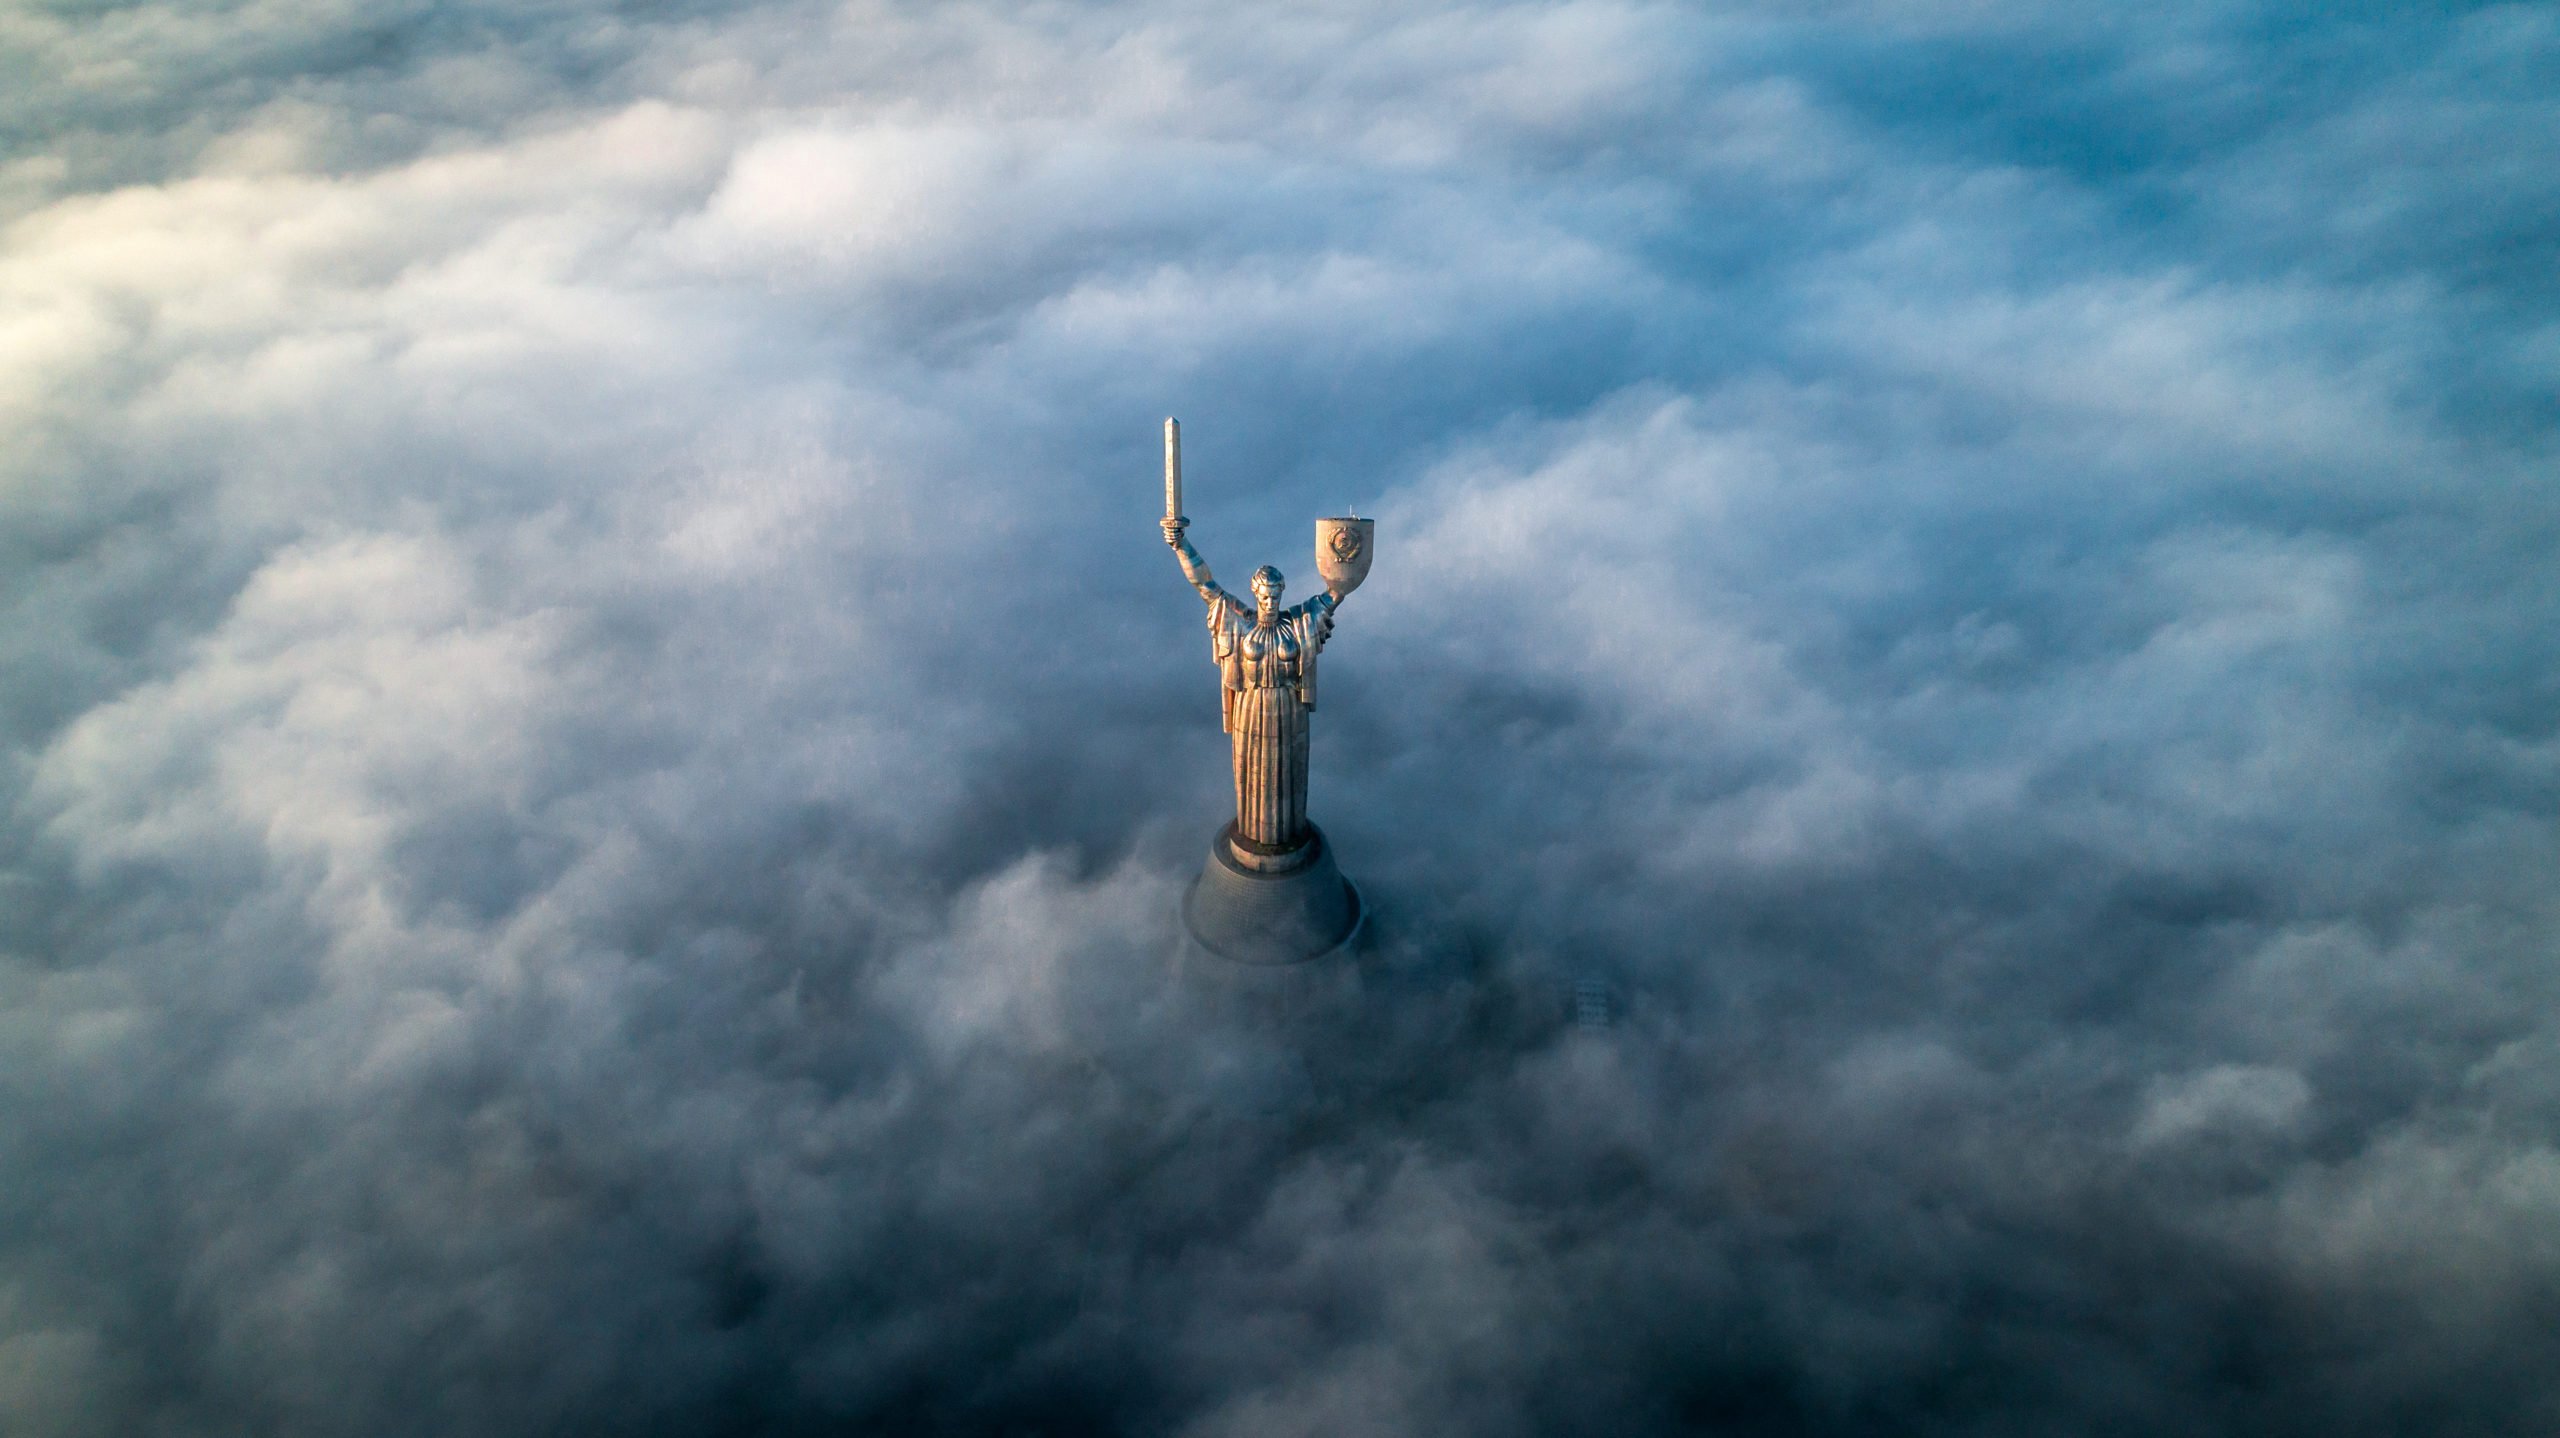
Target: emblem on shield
{"x": 1343, "y": 548}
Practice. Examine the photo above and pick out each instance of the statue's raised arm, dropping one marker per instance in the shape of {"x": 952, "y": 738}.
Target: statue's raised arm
{"x": 1196, "y": 569}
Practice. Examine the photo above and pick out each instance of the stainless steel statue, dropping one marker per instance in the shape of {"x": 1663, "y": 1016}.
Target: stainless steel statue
{"x": 1294, "y": 903}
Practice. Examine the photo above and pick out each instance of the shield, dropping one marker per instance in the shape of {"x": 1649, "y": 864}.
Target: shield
{"x": 1342, "y": 552}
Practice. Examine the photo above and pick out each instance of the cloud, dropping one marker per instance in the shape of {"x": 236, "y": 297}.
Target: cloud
{"x": 600, "y": 747}
{"x": 2236, "y": 1097}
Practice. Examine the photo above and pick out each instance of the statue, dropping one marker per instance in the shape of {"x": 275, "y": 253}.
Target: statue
{"x": 1292, "y": 902}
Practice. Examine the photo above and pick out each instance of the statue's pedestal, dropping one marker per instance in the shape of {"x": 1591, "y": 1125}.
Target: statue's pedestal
{"x": 1249, "y": 907}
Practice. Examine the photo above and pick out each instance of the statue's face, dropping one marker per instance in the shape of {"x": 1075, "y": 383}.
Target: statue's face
{"x": 1266, "y": 590}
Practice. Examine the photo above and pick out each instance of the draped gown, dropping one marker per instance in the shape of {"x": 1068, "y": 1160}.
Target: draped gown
{"x": 1268, "y": 676}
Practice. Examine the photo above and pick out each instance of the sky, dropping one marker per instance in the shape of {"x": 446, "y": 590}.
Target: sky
{"x": 598, "y": 745}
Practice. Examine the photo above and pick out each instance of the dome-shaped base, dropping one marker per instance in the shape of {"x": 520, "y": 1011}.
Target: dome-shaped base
{"x": 1272, "y": 909}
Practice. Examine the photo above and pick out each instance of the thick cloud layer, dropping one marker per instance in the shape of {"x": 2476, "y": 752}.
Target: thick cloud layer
{"x": 600, "y": 745}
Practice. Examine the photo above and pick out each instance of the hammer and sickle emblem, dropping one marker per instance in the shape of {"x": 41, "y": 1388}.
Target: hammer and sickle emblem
{"x": 1346, "y": 544}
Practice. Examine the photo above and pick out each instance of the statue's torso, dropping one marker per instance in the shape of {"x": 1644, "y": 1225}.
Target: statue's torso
{"x": 1269, "y": 656}
{"x": 1254, "y": 655}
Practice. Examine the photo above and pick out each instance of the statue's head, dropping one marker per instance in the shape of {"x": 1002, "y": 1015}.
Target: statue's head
{"x": 1266, "y": 588}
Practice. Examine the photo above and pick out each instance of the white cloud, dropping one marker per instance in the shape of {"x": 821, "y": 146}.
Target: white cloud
{"x": 2248, "y": 1100}
{"x": 600, "y": 748}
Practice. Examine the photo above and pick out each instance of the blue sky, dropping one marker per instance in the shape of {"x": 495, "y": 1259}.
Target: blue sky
{"x": 600, "y": 745}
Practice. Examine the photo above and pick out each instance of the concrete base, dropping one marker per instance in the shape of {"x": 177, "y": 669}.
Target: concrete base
{"x": 1253, "y": 908}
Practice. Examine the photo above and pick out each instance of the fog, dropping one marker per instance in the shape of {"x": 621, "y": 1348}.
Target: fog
{"x": 601, "y": 746}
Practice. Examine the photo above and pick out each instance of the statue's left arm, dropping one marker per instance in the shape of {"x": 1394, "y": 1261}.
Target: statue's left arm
{"x": 1317, "y": 615}
{"x": 1314, "y": 622}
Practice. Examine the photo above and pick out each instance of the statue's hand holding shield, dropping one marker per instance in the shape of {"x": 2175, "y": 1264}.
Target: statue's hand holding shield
{"x": 1343, "y": 548}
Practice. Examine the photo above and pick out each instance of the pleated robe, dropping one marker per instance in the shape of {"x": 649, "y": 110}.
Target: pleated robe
{"x": 1270, "y": 677}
